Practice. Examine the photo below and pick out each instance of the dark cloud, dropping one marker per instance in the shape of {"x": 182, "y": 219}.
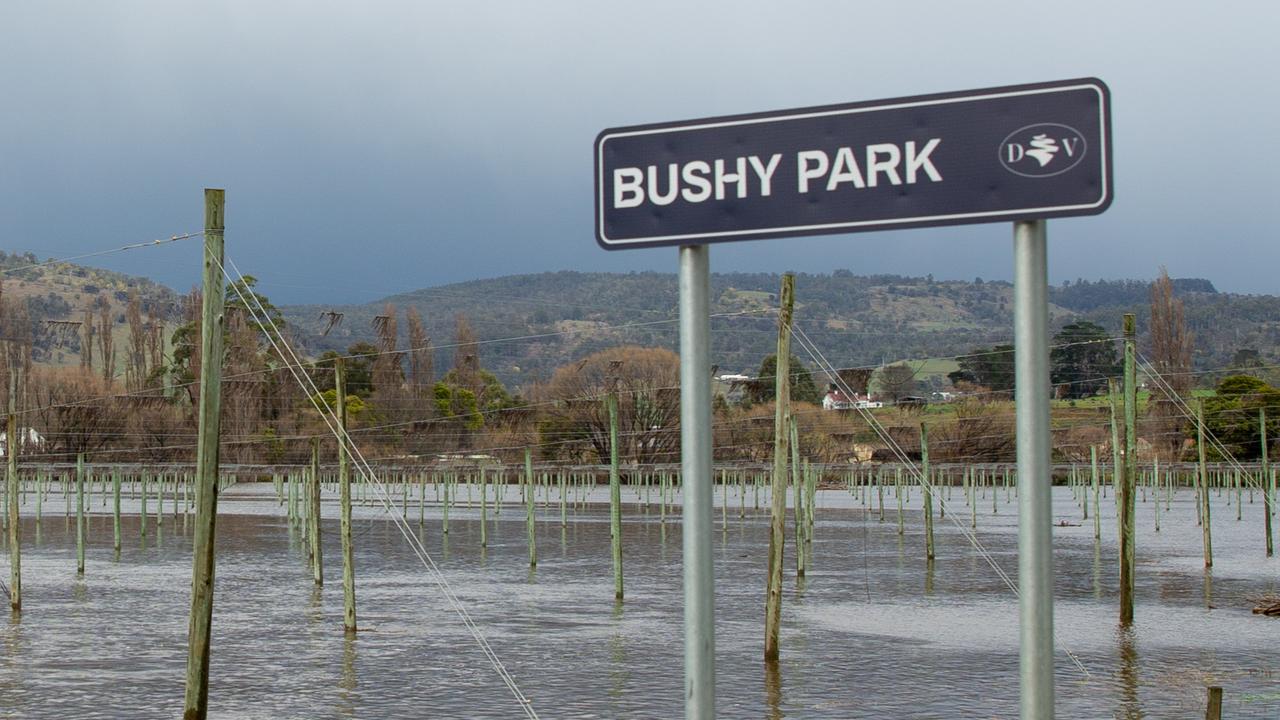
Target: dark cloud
{"x": 376, "y": 147}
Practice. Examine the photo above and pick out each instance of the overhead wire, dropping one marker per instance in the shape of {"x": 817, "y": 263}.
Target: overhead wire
{"x": 370, "y": 477}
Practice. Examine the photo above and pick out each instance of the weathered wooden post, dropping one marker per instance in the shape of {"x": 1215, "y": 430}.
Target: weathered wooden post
{"x": 532, "y": 529}
{"x": 778, "y": 496}
{"x": 1266, "y": 477}
{"x": 1129, "y": 478}
{"x": 927, "y": 491}
{"x": 115, "y": 508}
{"x": 1203, "y": 496}
{"x": 1113, "y": 397}
{"x": 313, "y": 527}
{"x": 15, "y": 533}
{"x": 196, "y": 701}
{"x": 80, "y": 514}
{"x": 1093, "y": 466}
{"x": 484, "y": 508}
{"x": 1213, "y": 710}
{"x": 797, "y": 493}
{"x": 615, "y": 496}
{"x": 344, "y": 495}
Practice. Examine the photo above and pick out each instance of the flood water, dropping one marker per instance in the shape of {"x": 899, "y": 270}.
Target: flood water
{"x": 872, "y": 632}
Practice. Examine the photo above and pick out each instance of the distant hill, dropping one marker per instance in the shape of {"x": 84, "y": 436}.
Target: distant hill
{"x": 63, "y": 291}
{"x": 531, "y": 324}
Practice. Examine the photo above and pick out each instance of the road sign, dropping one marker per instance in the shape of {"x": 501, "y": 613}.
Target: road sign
{"x": 1000, "y": 154}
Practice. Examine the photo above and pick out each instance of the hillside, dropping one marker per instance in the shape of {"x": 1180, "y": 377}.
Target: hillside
{"x": 532, "y": 324}
{"x": 62, "y": 292}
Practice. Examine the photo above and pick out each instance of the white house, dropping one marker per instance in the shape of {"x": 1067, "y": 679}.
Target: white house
{"x": 28, "y": 439}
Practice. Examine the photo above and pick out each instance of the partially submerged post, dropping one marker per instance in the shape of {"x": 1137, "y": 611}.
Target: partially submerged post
{"x": 15, "y": 533}
{"x": 1266, "y": 477}
{"x": 615, "y": 496}
{"x": 196, "y": 701}
{"x": 1202, "y": 498}
{"x": 1128, "y": 479}
{"x": 313, "y": 526}
{"x": 926, "y": 491}
{"x": 1035, "y": 481}
{"x": 344, "y": 494}
{"x": 80, "y": 514}
{"x": 532, "y": 530}
{"x": 695, "y": 468}
{"x": 778, "y": 496}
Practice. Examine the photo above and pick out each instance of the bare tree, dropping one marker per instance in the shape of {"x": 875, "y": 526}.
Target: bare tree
{"x": 74, "y": 410}
{"x": 86, "y": 340}
{"x": 388, "y": 370}
{"x": 647, "y": 384}
{"x": 108, "y": 353}
{"x": 1171, "y": 347}
{"x": 136, "y": 355}
{"x": 421, "y": 362}
{"x": 466, "y": 355}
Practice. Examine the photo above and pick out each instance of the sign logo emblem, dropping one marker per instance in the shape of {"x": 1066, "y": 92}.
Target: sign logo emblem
{"x": 1042, "y": 150}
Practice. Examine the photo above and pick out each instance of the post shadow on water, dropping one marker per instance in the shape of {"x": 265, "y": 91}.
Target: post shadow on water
{"x": 1208, "y": 588}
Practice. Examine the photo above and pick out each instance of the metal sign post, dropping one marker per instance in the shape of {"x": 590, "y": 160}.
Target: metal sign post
{"x": 1035, "y": 485}
{"x": 1023, "y": 153}
{"x": 695, "y": 466}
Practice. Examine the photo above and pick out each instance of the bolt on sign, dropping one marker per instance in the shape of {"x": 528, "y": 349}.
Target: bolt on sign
{"x": 1001, "y": 154}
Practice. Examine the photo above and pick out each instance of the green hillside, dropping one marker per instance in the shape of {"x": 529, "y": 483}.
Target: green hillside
{"x": 532, "y": 324}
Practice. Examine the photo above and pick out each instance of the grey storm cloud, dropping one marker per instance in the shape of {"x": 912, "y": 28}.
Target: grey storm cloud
{"x": 370, "y": 148}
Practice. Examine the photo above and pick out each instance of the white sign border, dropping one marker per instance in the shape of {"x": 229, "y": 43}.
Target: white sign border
{"x": 826, "y": 227}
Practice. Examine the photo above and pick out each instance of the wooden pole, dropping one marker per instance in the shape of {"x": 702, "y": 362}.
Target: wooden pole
{"x": 797, "y": 496}
{"x": 1266, "y": 477}
{"x": 80, "y": 514}
{"x": 344, "y": 492}
{"x": 313, "y": 527}
{"x": 615, "y": 496}
{"x": 484, "y": 508}
{"x": 1213, "y": 710}
{"x": 115, "y": 508}
{"x": 1093, "y": 465}
{"x": 778, "y": 496}
{"x": 15, "y": 534}
{"x": 196, "y": 701}
{"x": 531, "y": 528}
{"x": 1113, "y": 394}
{"x": 1129, "y": 477}
{"x": 926, "y": 491}
{"x": 1203, "y": 496}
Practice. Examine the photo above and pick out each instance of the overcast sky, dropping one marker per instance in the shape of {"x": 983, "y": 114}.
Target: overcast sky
{"x": 375, "y": 147}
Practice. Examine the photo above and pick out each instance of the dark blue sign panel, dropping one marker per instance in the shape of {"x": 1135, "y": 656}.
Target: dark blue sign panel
{"x": 1003, "y": 154}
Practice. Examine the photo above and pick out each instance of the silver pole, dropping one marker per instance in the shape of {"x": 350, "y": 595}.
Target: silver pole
{"x": 695, "y": 464}
{"x": 1035, "y": 487}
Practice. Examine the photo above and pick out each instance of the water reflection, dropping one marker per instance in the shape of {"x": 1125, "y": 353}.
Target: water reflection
{"x": 1130, "y": 708}
{"x": 1208, "y": 588}
{"x": 348, "y": 683}
{"x": 773, "y": 690}
{"x": 619, "y": 668}
{"x": 928, "y": 577}
{"x": 1097, "y": 571}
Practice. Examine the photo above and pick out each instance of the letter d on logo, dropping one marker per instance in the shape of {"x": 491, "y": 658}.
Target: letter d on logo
{"x": 1014, "y": 152}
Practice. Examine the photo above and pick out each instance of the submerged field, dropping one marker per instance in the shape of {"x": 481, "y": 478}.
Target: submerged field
{"x": 871, "y": 632}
